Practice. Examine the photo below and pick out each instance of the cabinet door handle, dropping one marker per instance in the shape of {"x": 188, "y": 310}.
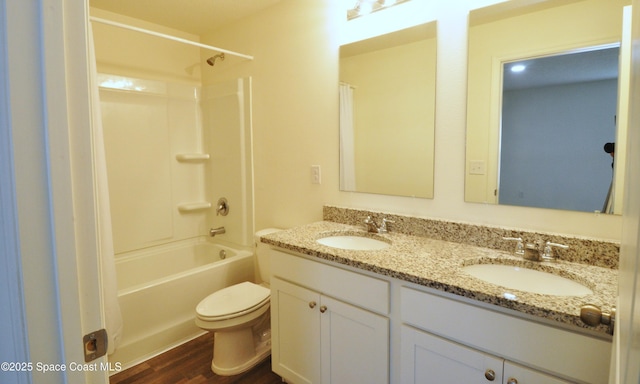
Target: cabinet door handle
{"x": 312, "y": 304}
{"x": 323, "y": 308}
{"x": 490, "y": 375}
{"x": 512, "y": 381}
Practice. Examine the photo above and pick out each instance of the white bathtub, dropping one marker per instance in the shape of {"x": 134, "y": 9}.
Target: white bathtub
{"x": 159, "y": 288}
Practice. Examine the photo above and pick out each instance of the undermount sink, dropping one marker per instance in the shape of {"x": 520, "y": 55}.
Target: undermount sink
{"x": 353, "y": 242}
{"x": 527, "y": 280}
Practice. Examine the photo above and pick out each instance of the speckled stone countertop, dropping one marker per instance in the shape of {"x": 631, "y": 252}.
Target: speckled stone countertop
{"x": 438, "y": 264}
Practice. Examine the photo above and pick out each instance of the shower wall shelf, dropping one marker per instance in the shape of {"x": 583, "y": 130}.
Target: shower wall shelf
{"x": 194, "y": 206}
{"x": 192, "y": 157}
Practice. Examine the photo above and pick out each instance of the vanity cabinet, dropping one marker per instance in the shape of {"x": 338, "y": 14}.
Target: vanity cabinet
{"x": 333, "y": 324}
{"x": 328, "y": 325}
{"x": 445, "y": 340}
{"x": 430, "y": 359}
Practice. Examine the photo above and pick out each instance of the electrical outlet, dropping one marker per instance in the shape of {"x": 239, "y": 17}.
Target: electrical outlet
{"x": 315, "y": 174}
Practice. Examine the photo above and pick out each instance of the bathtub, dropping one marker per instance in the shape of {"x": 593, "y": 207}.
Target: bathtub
{"x": 159, "y": 288}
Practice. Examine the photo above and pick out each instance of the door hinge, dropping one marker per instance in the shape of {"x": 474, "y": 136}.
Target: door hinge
{"x": 95, "y": 345}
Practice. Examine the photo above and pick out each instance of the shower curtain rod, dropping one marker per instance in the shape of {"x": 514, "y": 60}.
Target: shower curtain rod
{"x": 169, "y": 37}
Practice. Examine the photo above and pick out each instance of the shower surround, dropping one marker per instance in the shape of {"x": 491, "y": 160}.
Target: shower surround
{"x": 172, "y": 150}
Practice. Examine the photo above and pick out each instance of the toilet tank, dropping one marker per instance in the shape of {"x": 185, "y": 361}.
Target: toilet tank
{"x": 262, "y": 254}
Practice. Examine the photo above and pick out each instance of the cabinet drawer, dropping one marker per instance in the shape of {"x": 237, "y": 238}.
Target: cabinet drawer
{"x": 544, "y": 347}
{"x": 364, "y": 291}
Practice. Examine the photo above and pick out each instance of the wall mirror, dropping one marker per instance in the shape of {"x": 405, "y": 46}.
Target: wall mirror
{"x": 387, "y": 113}
{"x": 545, "y": 94}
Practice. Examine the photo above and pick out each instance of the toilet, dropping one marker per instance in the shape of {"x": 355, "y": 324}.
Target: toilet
{"x": 239, "y": 318}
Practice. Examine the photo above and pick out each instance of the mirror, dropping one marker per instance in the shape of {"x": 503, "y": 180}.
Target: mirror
{"x": 387, "y": 113}
{"x": 557, "y": 114}
{"x": 536, "y": 138}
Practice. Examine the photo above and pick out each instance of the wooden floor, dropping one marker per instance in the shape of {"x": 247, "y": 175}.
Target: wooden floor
{"x": 190, "y": 363}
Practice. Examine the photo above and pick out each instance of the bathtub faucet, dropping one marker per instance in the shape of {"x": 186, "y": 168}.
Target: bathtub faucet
{"x": 216, "y": 231}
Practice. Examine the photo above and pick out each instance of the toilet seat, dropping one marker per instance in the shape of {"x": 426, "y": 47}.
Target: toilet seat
{"x": 234, "y": 301}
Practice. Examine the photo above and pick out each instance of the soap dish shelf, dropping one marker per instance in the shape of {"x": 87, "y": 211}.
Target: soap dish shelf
{"x": 194, "y": 206}
{"x": 192, "y": 157}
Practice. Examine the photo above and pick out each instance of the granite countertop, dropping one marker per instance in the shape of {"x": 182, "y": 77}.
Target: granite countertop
{"x": 438, "y": 264}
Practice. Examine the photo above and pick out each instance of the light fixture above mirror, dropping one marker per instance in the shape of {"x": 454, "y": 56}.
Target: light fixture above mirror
{"x": 365, "y": 7}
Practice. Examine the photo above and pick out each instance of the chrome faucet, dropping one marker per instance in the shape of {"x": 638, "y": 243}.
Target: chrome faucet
{"x": 374, "y": 228}
{"x": 540, "y": 250}
{"x": 217, "y": 231}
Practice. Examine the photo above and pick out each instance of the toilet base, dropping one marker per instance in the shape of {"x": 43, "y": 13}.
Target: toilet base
{"x": 261, "y": 354}
{"x": 238, "y": 350}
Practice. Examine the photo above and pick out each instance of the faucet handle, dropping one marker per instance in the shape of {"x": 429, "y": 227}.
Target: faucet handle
{"x": 519, "y": 244}
{"x": 223, "y": 207}
{"x": 371, "y": 224}
{"x": 383, "y": 226}
{"x": 547, "y": 251}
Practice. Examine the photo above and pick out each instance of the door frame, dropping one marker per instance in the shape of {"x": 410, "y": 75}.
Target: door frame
{"x": 48, "y": 217}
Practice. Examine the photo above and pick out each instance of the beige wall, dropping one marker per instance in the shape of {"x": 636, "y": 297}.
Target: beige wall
{"x": 295, "y": 106}
{"x": 295, "y": 116}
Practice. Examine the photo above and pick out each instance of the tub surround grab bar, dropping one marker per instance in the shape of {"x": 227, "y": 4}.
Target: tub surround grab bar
{"x": 168, "y": 37}
{"x": 196, "y": 206}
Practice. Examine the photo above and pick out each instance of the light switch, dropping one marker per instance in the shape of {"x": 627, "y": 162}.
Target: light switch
{"x": 477, "y": 167}
{"x": 315, "y": 174}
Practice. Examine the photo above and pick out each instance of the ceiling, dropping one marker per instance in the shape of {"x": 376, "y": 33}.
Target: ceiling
{"x": 192, "y": 16}
{"x": 589, "y": 65}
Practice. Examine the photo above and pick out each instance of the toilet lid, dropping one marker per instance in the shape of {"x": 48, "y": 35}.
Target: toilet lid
{"x": 236, "y": 299}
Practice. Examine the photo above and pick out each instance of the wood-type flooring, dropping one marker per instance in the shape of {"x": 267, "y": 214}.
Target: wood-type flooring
{"x": 190, "y": 363}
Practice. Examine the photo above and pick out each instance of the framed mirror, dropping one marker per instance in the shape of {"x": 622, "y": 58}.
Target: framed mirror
{"x": 387, "y": 113}
{"x": 536, "y": 137}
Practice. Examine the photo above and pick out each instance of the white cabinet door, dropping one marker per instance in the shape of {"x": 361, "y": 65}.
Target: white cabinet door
{"x": 318, "y": 339}
{"x": 429, "y": 359}
{"x": 517, "y": 374}
{"x": 295, "y": 331}
{"x": 355, "y": 344}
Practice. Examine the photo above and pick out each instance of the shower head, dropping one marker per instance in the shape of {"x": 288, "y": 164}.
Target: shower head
{"x": 212, "y": 60}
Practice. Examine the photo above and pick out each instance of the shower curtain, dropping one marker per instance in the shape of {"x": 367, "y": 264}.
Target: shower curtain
{"x": 113, "y": 316}
{"x": 347, "y": 142}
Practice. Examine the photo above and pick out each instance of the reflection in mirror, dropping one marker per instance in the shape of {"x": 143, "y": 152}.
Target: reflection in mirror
{"x": 536, "y": 138}
{"x": 557, "y": 114}
{"x": 387, "y": 107}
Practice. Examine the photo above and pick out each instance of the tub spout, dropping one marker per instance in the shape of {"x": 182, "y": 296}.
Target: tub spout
{"x": 216, "y": 231}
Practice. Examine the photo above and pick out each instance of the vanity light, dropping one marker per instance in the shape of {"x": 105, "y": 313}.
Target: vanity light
{"x": 518, "y": 68}
{"x": 364, "y": 7}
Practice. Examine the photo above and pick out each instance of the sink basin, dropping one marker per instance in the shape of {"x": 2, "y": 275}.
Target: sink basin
{"x": 528, "y": 280}
{"x": 354, "y": 243}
